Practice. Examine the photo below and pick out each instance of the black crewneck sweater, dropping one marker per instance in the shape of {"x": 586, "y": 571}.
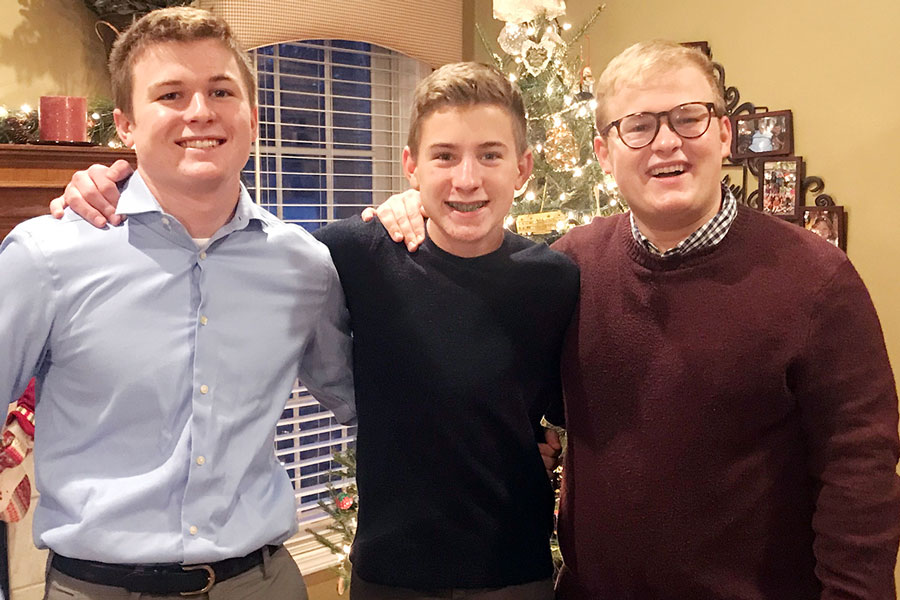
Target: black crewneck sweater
{"x": 455, "y": 361}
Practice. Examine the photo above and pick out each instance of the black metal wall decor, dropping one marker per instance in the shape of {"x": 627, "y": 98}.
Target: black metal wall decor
{"x": 762, "y": 171}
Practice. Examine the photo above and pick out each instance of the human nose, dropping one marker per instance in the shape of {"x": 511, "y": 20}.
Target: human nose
{"x": 466, "y": 173}
{"x": 666, "y": 139}
{"x": 199, "y": 108}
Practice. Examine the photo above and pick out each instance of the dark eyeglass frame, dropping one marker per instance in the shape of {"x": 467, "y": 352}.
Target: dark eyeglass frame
{"x": 710, "y": 107}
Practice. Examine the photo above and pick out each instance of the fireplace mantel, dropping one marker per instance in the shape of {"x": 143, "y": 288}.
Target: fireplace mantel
{"x": 32, "y": 175}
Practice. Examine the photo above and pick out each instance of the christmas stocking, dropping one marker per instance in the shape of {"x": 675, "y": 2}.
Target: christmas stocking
{"x": 15, "y": 487}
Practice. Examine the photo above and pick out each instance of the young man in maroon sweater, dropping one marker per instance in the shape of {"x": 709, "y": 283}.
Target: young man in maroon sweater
{"x": 731, "y": 411}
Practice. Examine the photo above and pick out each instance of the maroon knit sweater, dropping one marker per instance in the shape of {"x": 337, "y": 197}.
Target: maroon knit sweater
{"x": 732, "y": 422}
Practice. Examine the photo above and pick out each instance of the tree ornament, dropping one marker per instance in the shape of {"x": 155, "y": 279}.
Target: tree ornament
{"x": 512, "y": 39}
{"x": 552, "y": 38}
{"x": 585, "y": 86}
{"x": 536, "y": 56}
{"x": 520, "y": 11}
{"x": 560, "y": 148}
{"x": 344, "y": 501}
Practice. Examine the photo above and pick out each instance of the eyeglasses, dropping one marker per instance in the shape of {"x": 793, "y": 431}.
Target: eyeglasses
{"x": 690, "y": 120}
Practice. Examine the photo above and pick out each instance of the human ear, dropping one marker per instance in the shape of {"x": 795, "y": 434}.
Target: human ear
{"x": 124, "y": 127}
{"x": 725, "y": 136}
{"x": 525, "y": 165}
{"x": 601, "y": 149}
{"x": 409, "y": 168}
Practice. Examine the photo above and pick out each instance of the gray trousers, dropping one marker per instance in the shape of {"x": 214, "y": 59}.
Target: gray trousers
{"x": 536, "y": 590}
{"x": 278, "y": 577}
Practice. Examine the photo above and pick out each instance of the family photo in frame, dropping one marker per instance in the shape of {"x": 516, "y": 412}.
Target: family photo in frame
{"x": 828, "y": 222}
{"x": 762, "y": 134}
{"x": 779, "y": 185}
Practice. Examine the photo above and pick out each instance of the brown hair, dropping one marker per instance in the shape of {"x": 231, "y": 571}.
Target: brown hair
{"x": 466, "y": 84}
{"x": 173, "y": 24}
{"x": 646, "y": 60}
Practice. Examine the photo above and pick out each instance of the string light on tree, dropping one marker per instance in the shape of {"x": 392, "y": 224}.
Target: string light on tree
{"x": 543, "y": 57}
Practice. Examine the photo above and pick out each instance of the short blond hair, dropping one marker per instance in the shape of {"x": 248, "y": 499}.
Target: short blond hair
{"x": 173, "y": 24}
{"x": 466, "y": 84}
{"x": 646, "y": 60}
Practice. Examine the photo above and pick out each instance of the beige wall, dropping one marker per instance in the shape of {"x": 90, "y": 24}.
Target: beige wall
{"x": 48, "y": 47}
{"x": 833, "y": 63}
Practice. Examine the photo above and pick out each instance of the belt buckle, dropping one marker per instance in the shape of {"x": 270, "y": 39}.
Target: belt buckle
{"x": 211, "y": 582}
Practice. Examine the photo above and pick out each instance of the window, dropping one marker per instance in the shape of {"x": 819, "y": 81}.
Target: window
{"x": 333, "y": 120}
{"x": 333, "y": 123}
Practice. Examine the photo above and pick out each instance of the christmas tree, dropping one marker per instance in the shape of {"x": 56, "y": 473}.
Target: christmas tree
{"x": 341, "y": 506}
{"x": 568, "y": 187}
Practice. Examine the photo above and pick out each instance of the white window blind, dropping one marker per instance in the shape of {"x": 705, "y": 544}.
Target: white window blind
{"x": 333, "y": 120}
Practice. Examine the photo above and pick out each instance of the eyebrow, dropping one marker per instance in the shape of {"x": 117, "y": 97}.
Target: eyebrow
{"x": 175, "y": 82}
{"x": 446, "y": 146}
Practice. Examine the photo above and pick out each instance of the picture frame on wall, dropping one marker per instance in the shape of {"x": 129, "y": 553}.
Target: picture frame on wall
{"x": 828, "y": 222}
{"x": 781, "y": 185}
{"x": 762, "y": 134}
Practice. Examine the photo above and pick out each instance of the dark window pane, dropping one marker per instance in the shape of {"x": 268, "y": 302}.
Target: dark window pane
{"x": 304, "y": 51}
{"x": 361, "y": 197}
{"x": 290, "y": 181}
{"x": 361, "y": 122}
{"x": 351, "y": 105}
{"x": 299, "y": 100}
{"x": 351, "y": 139}
{"x": 301, "y": 68}
{"x": 304, "y": 198}
{"x": 355, "y": 90}
{"x": 304, "y": 213}
{"x": 356, "y": 166}
{"x": 352, "y": 182}
{"x": 344, "y": 212}
{"x": 351, "y": 74}
{"x": 350, "y": 45}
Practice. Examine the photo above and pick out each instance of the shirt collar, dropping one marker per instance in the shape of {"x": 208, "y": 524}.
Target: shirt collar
{"x": 136, "y": 198}
{"x": 708, "y": 235}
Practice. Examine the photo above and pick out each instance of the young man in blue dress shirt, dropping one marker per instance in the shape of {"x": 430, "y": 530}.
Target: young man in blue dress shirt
{"x": 161, "y": 381}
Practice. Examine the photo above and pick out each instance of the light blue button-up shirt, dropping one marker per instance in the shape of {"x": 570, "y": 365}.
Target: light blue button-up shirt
{"x": 162, "y": 370}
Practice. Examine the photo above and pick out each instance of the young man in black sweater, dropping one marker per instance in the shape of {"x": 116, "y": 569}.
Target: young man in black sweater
{"x": 456, "y": 358}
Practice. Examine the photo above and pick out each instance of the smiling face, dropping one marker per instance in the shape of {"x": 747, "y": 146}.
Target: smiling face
{"x": 192, "y": 122}
{"x": 672, "y": 185}
{"x": 467, "y": 170}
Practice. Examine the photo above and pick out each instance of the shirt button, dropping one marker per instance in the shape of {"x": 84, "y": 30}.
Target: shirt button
{"x": 204, "y": 388}
{"x": 193, "y": 530}
{"x": 165, "y": 221}
{"x": 203, "y": 256}
{"x": 201, "y": 460}
{"x": 203, "y": 320}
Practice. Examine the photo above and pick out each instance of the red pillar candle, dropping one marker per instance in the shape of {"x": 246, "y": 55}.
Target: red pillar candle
{"x": 63, "y": 118}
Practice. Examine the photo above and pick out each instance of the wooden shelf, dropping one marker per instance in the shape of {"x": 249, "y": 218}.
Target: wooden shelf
{"x": 32, "y": 175}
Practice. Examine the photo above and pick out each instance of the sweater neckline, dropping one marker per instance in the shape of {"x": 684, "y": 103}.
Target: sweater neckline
{"x": 495, "y": 258}
{"x": 652, "y": 262}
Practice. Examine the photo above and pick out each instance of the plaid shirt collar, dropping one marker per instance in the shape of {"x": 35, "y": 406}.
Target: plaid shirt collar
{"x": 707, "y": 236}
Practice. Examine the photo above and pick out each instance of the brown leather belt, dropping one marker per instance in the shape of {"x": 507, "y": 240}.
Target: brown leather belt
{"x": 187, "y": 580}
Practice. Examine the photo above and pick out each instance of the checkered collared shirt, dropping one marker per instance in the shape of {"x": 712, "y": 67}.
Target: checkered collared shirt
{"x": 707, "y": 236}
